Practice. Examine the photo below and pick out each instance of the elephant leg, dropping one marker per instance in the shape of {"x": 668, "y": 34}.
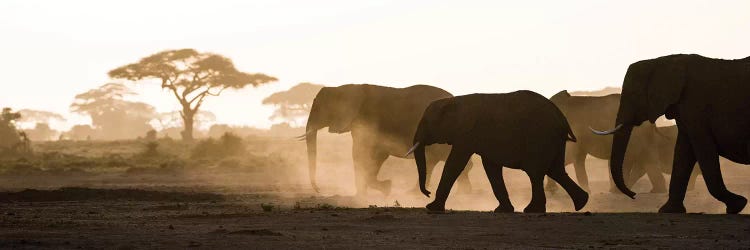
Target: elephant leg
{"x": 538, "y": 203}
{"x": 494, "y": 173}
{"x": 367, "y": 162}
{"x": 579, "y": 196}
{"x": 682, "y": 166}
{"x": 464, "y": 184}
{"x": 636, "y": 171}
{"x": 580, "y": 167}
{"x": 383, "y": 186}
{"x": 708, "y": 161}
{"x": 658, "y": 184}
{"x": 454, "y": 165}
{"x": 551, "y": 186}
{"x": 571, "y": 156}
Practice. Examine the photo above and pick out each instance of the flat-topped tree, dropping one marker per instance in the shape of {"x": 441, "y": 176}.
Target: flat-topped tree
{"x": 293, "y": 104}
{"x": 190, "y": 76}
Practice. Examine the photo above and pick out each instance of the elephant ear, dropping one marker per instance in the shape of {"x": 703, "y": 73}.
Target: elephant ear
{"x": 352, "y": 99}
{"x": 457, "y": 119}
{"x": 665, "y": 88}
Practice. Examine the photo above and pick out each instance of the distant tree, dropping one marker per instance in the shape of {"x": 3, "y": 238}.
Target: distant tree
{"x": 36, "y": 124}
{"x": 80, "y": 132}
{"x": 41, "y": 132}
{"x": 115, "y": 117}
{"x": 8, "y": 116}
{"x": 9, "y": 136}
{"x": 190, "y": 76}
{"x": 151, "y": 135}
{"x": 32, "y": 117}
{"x": 218, "y": 130}
{"x": 293, "y": 104}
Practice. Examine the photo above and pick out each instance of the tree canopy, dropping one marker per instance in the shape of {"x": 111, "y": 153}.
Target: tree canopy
{"x": 115, "y": 117}
{"x": 31, "y": 118}
{"x": 190, "y": 76}
{"x": 9, "y": 137}
{"x": 293, "y": 104}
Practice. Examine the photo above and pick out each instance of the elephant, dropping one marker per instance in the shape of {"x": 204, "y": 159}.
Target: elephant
{"x": 708, "y": 99}
{"x": 583, "y": 112}
{"x": 520, "y": 130}
{"x": 382, "y": 121}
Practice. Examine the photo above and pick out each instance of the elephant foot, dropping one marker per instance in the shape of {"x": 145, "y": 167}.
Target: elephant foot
{"x": 672, "y": 208}
{"x": 736, "y": 204}
{"x": 580, "y": 200}
{"x": 435, "y": 207}
{"x": 532, "y": 208}
{"x": 504, "y": 209}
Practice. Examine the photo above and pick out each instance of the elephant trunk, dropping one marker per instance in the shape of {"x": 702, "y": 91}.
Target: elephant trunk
{"x": 312, "y": 150}
{"x": 421, "y": 169}
{"x": 419, "y": 156}
{"x": 311, "y": 137}
{"x": 619, "y": 146}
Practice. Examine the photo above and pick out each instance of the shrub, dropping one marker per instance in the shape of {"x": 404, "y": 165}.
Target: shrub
{"x": 228, "y": 145}
{"x": 151, "y": 149}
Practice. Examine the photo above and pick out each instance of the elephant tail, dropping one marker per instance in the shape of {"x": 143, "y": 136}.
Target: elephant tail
{"x": 571, "y": 136}
{"x": 566, "y": 125}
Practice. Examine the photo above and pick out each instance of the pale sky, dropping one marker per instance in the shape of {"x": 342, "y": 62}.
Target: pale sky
{"x": 52, "y": 50}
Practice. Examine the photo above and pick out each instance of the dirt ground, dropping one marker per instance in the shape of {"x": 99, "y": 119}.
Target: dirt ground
{"x": 234, "y": 217}
{"x": 216, "y": 206}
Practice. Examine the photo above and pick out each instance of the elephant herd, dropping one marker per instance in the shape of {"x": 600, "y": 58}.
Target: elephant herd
{"x": 708, "y": 98}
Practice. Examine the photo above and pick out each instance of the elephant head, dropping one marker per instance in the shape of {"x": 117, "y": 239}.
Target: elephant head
{"x": 560, "y": 98}
{"x": 335, "y": 108}
{"x": 650, "y": 89}
{"x": 443, "y": 122}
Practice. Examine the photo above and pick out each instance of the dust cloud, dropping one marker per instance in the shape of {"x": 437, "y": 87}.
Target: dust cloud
{"x": 276, "y": 167}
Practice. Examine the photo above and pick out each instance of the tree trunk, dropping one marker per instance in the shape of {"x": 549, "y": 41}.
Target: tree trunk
{"x": 187, "y": 121}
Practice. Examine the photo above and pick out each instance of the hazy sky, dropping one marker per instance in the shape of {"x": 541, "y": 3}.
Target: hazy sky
{"x": 52, "y": 50}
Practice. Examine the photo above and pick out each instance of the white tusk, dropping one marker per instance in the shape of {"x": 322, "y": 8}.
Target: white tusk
{"x": 411, "y": 150}
{"x": 608, "y": 132}
{"x": 304, "y": 136}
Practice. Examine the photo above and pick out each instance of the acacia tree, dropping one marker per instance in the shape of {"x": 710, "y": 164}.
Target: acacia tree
{"x": 115, "y": 117}
{"x": 32, "y": 117}
{"x": 36, "y": 123}
{"x": 190, "y": 76}
{"x": 9, "y": 137}
{"x": 293, "y": 104}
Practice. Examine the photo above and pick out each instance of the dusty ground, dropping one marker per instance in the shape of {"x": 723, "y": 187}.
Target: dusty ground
{"x": 221, "y": 206}
{"x": 181, "y": 217}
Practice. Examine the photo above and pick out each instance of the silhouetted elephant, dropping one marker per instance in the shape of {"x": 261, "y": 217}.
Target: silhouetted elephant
{"x": 664, "y": 148}
{"x": 382, "y": 121}
{"x": 584, "y": 112}
{"x": 709, "y": 100}
{"x": 521, "y": 130}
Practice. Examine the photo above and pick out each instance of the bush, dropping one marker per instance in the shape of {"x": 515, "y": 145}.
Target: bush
{"x": 228, "y": 145}
{"x": 151, "y": 135}
{"x": 151, "y": 149}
